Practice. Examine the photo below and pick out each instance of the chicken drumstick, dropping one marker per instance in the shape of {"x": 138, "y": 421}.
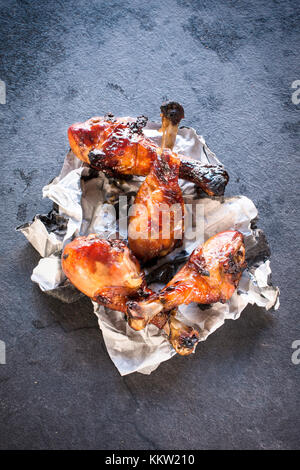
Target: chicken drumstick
{"x": 156, "y": 228}
{"x": 108, "y": 272}
{"x": 211, "y": 274}
{"x": 116, "y": 146}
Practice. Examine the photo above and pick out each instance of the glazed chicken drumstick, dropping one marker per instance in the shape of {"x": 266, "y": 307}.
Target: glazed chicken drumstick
{"x": 157, "y": 226}
{"x": 118, "y": 147}
{"x": 107, "y": 272}
{"x": 104, "y": 270}
{"x": 211, "y": 274}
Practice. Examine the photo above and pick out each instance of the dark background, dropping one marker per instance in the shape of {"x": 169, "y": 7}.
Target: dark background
{"x": 231, "y": 64}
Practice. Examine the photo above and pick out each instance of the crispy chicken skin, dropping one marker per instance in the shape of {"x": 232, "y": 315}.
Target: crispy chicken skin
{"x": 109, "y": 273}
{"x": 85, "y": 136}
{"x": 211, "y": 274}
{"x": 157, "y": 226}
{"x": 120, "y": 147}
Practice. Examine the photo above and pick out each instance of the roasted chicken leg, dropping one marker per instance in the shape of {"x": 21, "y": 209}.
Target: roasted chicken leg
{"x": 109, "y": 273}
{"x": 104, "y": 270}
{"x": 211, "y": 274}
{"x": 116, "y": 146}
{"x": 157, "y": 225}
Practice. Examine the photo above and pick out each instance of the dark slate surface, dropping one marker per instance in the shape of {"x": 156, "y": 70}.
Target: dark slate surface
{"x": 231, "y": 64}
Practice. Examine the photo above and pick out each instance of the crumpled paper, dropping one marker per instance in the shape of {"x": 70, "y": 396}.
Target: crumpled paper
{"x": 79, "y": 195}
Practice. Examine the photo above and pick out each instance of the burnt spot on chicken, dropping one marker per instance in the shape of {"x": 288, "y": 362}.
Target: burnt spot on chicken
{"x": 138, "y": 125}
{"x": 101, "y": 162}
{"x": 109, "y": 117}
{"x": 133, "y": 306}
{"x": 183, "y": 338}
{"x": 118, "y": 243}
{"x": 143, "y": 294}
{"x": 166, "y": 169}
{"x": 169, "y": 289}
{"x": 161, "y": 173}
{"x": 210, "y": 178}
{"x": 96, "y": 156}
{"x": 233, "y": 265}
{"x": 199, "y": 264}
{"x": 189, "y": 341}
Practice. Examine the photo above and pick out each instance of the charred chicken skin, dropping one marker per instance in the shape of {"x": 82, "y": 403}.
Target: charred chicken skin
{"x": 108, "y": 272}
{"x": 211, "y": 274}
{"x": 156, "y": 227}
{"x": 118, "y": 147}
{"x": 183, "y": 338}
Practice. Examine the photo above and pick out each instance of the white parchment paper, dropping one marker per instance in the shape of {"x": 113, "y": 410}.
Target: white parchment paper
{"x": 80, "y": 198}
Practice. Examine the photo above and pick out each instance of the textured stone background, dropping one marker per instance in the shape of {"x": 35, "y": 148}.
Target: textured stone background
{"x": 231, "y": 64}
